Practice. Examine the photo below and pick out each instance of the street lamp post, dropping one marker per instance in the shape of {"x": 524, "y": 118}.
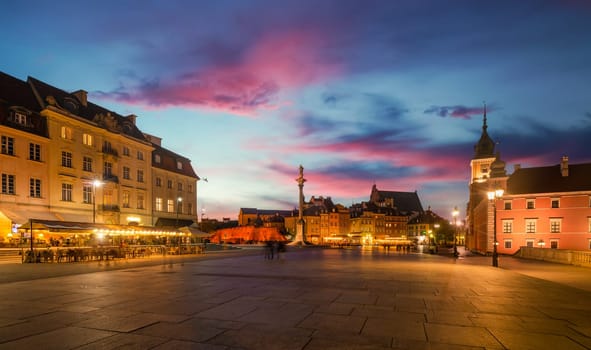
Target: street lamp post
{"x": 493, "y": 196}
{"x": 455, "y": 214}
{"x": 95, "y": 184}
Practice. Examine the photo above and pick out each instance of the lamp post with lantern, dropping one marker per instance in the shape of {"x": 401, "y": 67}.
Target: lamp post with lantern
{"x": 493, "y": 196}
{"x": 455, "y": 214}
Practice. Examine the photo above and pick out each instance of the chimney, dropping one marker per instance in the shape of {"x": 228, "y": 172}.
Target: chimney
{"x": 564, "y": 166}
{"x": 132, "y": 118}
{"x": 82, "y": 97}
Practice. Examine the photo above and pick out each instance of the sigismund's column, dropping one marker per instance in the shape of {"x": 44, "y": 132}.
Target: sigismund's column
{"x": 300, "y": 237}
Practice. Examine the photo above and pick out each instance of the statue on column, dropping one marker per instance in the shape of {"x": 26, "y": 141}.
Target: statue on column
{"x": 300, "y": 235}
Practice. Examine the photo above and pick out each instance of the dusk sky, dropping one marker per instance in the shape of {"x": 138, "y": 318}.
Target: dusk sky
{"x": 358, "y": 92}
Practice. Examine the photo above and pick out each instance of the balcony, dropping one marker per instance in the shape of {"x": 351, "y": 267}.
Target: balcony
{"x": 110, "y": 151}
{"x": 110, "y": 207}
{"x": 110, "y": 178}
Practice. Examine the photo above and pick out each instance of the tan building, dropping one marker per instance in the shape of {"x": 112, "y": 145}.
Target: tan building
{"x": 65, "y": 159}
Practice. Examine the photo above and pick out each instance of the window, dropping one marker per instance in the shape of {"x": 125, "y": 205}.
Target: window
{"x": 140, "y": 175}
{"x": 157, "y": 158}
{"x": 140, "y": 201}
{"x": 508, "y": 244}
{"x": 35, "y": 188}
{"x": 87, "y": 192}
{"x": 126, "y": 151}
{"x": 66, "y": 133}
{"x": 179, "y": 165}
{"x": 125, "y": 202}
{"x": 555, "y": 203}
{"x": 189, "y": 208}
{"x": 140, "y": 155}
{"x": 18, "y": 118}
{"x": 87, "y": 164}
{"x": 508, "y": 205}
{"x": 190, "y": 188}
{"x": 8, "y": 145}
{"x": 169, "y": 184}
{"x": 530, "y": 225}
{"x": 8, "y": 182}
{"x": 554, "y": 244}
{"x": 35, "y": 152}
{"x": 158, "y": 182}
{"x": 529, "y": 243}
{"x": 590, "y": 244}
{"x": 555, "y": 225}
{"x": 158, "y": 204}
{"x": 179, "y": 207}
{"x": 67, "y": 192}
{"x": 170, "y": 206}
{"x": 507, "y": 226}
{"x": 530, "y": 204}
{"x": 108, "y": 170}
{"x": 126, "y": 173}
{"x": 180, "y": 186}
{"x": 66, "y": 159}
{"x": 87, "y": 139}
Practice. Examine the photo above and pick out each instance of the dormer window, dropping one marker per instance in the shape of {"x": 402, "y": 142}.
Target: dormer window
{"x": 157, "y": 158}
{"x": 179, "y": 165}
{"x": 19, "y": 118}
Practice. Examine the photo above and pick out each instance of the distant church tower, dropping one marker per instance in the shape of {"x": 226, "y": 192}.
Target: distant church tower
{"x": 487, "y": 173}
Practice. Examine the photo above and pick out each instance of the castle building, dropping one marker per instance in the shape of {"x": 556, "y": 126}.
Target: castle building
{"x": 66, "y": 160}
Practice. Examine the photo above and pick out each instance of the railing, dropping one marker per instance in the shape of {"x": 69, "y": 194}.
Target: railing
{"x": 563, "y": 256}
{"x": 111, "y": 151}
{"x": 110, "y": 207}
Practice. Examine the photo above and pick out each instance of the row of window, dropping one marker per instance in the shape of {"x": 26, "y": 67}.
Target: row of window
{"x": 88, "y": 140}
{"x": 531, "y": 225}
{"x": 508, "y": 243}
{"x": 531, "y": 203}
{"x": 9, "y": 185}
{"x": 169, "y": 185}
{"x": 159, "y": 206}
{"x": 7, "y": 147}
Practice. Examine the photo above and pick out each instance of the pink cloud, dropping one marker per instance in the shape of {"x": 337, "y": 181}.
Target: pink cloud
{"x": 275, "y": 62}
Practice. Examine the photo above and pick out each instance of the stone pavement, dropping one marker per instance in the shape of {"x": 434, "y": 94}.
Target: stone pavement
{"x": 308, "y": 299}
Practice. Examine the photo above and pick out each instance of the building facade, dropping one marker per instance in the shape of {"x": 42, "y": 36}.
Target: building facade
{"x": 66, "y": 159}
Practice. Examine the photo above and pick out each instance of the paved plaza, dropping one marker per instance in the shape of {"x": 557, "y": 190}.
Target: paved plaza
{"x": 308, "y": 299}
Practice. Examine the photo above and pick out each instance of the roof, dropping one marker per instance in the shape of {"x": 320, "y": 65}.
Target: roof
{"x": 49, "y": 95}
{"x": 405, "y": 202}
{"x": 549, "y": 179}
{"x": 168, "y": 161}
{"x": 16, "y": 95}
{"x": 267, "y": 212}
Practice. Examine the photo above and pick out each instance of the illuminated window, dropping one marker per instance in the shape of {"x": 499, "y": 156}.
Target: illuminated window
{"x": 531, "y": 204}
{"x": 140, "y": 201}
{"x": 66, "y": 159}
{"x": 530, "y": 225}
{"x": 508, "y": 244}
{"x": 66, "y": 133}
{"x": 87, "y": 164}
{"x": 66, "y": 192}
{"x": 35, "y": 152}
{"x": 8, "y": 145}
{"x": 555, "y": 203}
{"x": 87, "y": 193}
{"x": 158, "y": 204}
{"x": 140, "y": 175}
{"x": 8, "y": 182}
{"x": 87, "y": 139}
{"x": 126, "y": 173}
{"x": 554, "y": 244}
{"x": 170, "y": 206}
{"x": 125, "y": 199}
{"x": 555, "y": 225}
{"x": 507, "y": 226}
{"x": 35, "y": 188}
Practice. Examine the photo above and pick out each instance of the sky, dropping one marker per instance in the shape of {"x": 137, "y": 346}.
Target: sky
{"x": 358, "y": 92}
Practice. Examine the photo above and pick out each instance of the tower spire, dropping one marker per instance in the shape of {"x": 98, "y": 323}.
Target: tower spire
{"x": 484, "y": 126}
